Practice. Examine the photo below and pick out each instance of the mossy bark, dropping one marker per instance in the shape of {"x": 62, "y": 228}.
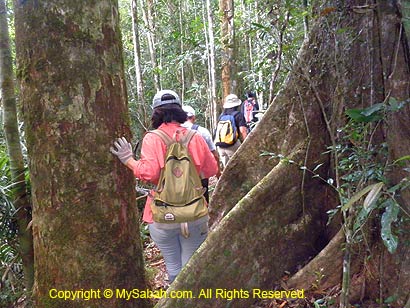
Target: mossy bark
{"x": 267, "y": 218}
{"x": 85, "y": 222}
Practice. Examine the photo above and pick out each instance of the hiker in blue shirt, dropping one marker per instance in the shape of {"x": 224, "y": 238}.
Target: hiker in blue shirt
{"x": 231, "y": 107}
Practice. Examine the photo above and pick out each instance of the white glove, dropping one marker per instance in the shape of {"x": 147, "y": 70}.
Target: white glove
{"x": 122, "y": 150}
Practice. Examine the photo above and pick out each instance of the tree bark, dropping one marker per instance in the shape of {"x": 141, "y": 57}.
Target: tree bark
{"x": 228, "y": 49}
{"x": 85, "y": 222}
{"x": 21, "y": 199}
{"x": 278, "y": 66}
{"x": 213, "y": 106}
{"x": 324, "y": 271}
{"x": 395, "y": 62}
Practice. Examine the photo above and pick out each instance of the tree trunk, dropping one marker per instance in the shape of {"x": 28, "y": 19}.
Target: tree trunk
{"x": 324, "y": 271}
{"x": 211, "y": 65}
{"x": 137, "y": 64}
{"x": 269, "y": 217}
{"x": 278, "y": 66}
{"x": 20, "y": 197}
{"x": 149, "y": 24}
{"x": 85, "y": 222}
{"x": 306, "y": 19}
{"x": 181, "y": 13}
{"x": 228, "y": 41}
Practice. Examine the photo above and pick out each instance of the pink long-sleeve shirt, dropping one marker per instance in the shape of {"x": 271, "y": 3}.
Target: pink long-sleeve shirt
{"x": 148, "y": 167}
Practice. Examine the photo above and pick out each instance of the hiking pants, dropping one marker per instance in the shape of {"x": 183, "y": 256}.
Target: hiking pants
{"x": 175, "y": 248}
{"x": 225, "y": 154}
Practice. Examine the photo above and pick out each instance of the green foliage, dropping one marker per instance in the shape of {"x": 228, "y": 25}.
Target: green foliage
{"x": 363, "y": 162}
{"x": 362, "y": 167}
{"x": 144, "y": 232}
{"x": 258, "y": 28}
{"x": 180, "y": 29}
{"x": 324, "y": 302}
{"x": 390, "y": 240}
{"x": 11, "y": 271}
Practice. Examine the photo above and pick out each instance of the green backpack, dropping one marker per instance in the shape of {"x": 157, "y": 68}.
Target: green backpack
{"x": 179, "y": 196}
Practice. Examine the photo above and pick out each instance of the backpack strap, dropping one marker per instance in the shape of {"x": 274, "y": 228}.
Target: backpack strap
{"x": 164, "y": 136}
{"x": 168, "y": 140}
{"x": 187, "y": 138}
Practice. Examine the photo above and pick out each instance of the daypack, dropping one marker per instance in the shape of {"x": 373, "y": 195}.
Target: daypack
{"x": 179, "y": 196}
{"x": 248, "y": 110}
{"x": 226, "y": 133}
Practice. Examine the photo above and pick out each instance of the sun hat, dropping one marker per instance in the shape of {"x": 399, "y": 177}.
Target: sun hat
{"x": 165, "y": 97}
{"x": 190, "y": 112}
{"x": 232, "y": 101}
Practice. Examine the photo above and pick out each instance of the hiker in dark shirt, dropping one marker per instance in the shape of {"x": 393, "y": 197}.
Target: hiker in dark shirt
{"x": 232, "y": 106}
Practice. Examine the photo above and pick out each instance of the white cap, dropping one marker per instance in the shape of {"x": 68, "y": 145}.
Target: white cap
{"x": 232, "y": 101}
{"x": 165, "y": 97}
{"x": 190, "y": 112}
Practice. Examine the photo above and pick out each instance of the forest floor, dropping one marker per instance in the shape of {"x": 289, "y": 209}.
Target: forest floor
{"x": 157, "y": 273}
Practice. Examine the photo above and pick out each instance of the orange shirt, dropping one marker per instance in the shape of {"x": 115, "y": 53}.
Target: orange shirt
{"x": 148, "y": 167}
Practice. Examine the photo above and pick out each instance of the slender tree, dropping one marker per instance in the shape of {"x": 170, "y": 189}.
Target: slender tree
{"x": 21, "y": 200}
{"x": 147, "y": 13}
{"x": 181, "y": 25}
{"x": 279, "y": 56}
{"x": 137, "y": 65}
{"x": 228, "y": 46}
{"x": 85, "y": 223}
{"x": 211, "y": 63}
{"x": 306, "y": 19}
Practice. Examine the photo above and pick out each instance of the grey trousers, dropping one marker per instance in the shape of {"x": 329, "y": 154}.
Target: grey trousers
{"x": 175, "y": 247}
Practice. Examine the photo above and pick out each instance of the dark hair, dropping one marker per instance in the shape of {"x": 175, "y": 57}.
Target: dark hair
{"x": 166, "y": 114}
{"x": 232, "y": 109}
{"x": 250, "y": 94}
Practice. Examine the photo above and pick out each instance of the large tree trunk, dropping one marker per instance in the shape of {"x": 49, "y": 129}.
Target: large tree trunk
{"x": 269, "y": 217}
{"x": 21, "y": 199}
{"x": 85, "y": 223}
